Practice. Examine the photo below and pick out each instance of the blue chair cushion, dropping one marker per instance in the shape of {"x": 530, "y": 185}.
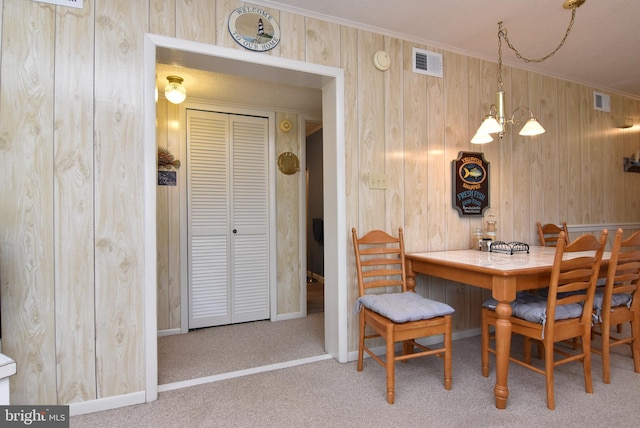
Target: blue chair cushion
{"x": 617, "y": 299}
{"x": 403, "y": 307}
{"x": 534, "y": 309}
{"x": 491, "y": 303}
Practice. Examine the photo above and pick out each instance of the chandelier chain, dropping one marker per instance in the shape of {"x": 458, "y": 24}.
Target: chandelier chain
{"x": 502, "y": 34}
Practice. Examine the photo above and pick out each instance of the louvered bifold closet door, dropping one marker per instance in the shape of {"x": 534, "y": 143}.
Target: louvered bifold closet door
{"x": 249, "y": 243}
{"x": 209, "y": 218}
{"x": 228, "y": 218}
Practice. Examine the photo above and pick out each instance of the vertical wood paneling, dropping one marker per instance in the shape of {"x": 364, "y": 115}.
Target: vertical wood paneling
{"x": 414, "y": 95}
{"x": 288, "y": 233}
{"x": 73, "y": 213}
{"x": 452, "y": 86}
{"x": 370, "y": 132}
{"x": 394, "y": 135}
{"x": 515, "y": 83}
{"x": 539, "y": 197}
{"x": 292, "y": 46}
{"x": 195, "y": 20}
{"x": 162, "y": 17}
{"x": 349, "y": 62}
{"x": 26, "y": 130}
{"x": 118, "y": 191}
{"x": 584, "y": 154}
{"x": 571, "y": 140}
{"x": 223, "y": 9}
{"x": 549, "y": 148}
{"x": 322, "y": 42}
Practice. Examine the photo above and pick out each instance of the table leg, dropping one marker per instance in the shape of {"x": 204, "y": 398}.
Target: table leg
{"x": 503, "y": 350}
{"x": 411, "y": 276}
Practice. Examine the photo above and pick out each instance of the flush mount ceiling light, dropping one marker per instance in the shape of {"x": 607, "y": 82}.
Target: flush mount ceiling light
{"x": 174, "y": 91}
{"x": 497, "y": 120}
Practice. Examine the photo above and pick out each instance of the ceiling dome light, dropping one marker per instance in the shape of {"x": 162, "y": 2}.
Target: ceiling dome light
{"x": 174, "y": 91}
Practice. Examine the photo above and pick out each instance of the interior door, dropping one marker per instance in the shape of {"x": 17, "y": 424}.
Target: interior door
{"x": 228, "y": 218}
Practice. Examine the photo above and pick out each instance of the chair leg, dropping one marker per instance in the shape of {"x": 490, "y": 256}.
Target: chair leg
{"x": 361, "y": 341}
{"x": 526, "y": 350}
{"x": 485, "y": 345}
{"x": 586, "y": 362}
{"x": 447, "y": 356}
{"x": 635, "y": 345}
{"x": 606, "y": 348}
{"x": 390, "y": 365}
{"x": 548, "y": 371}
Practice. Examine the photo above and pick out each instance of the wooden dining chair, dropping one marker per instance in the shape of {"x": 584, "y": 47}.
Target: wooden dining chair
{"x": 396, "y": 315}
{"x": 558, "y": 317}
{"x": 548, "y": 233}
{"x": 618, "y": 302}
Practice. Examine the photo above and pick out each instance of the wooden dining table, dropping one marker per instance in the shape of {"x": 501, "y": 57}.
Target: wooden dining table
{"x": 502, "y": 273}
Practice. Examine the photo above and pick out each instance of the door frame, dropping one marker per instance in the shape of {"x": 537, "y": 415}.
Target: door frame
{"x": 262, "y": 67}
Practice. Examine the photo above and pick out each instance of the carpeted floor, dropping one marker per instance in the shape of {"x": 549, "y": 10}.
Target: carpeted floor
{"x": 216, "y": 350}
{"x": 329, "y": 394}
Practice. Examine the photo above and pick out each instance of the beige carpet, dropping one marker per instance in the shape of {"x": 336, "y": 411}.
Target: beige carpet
{"x": 330, "y": 394}
{"x": 216, "y": 350}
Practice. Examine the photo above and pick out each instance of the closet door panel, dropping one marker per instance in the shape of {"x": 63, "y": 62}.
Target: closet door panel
{"x": 209, "y": 219}
{"x": 250, "y": 198}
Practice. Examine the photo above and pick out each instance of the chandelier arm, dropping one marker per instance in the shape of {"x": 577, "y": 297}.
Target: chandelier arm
{"x": 512, "y": 119}
{"x": 502, "y": 32}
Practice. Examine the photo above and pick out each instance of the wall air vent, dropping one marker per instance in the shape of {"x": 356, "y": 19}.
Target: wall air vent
{"x": 426, "y": 62}
{"x": 601, "y": 102}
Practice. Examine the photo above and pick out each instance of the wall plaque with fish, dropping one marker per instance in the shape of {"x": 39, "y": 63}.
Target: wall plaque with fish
{"x": 470, "y": 184}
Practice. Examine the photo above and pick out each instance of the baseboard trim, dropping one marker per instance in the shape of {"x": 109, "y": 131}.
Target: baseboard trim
{"x": 169, "y": 332}
{"x": 240, "y": 373}
{"x": 108, "y": 403}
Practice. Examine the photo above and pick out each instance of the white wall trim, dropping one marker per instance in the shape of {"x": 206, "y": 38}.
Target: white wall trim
{"x": 266, "y": 67}
{"x": 107, "y": 403}
{"x": 584, "y": 228}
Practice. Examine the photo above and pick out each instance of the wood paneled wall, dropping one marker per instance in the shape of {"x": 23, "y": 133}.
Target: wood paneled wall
{"x": 71, "y": 129}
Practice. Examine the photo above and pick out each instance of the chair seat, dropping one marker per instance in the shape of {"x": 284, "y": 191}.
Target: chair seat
{"x": 403, "y": 307}
{"x": 617, "y": 299}
{"x": 533, "y": 308}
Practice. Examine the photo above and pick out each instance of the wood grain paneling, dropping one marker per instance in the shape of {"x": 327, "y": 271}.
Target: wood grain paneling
{"x": 73, "y": 185}
{"x": 196, "y": 20}
{"x": 287, "y": 221}
{"x": 119, "y": 210}
{"x": 28, "y": 247}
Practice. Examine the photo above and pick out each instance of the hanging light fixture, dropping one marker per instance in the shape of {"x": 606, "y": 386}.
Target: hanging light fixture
{"x": 174, "y": 91}
{"x": 496, "y": 121}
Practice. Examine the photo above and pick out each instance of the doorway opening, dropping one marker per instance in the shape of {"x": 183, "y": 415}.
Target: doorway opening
{"x": 314, "y": 218}
{"x": 235, "y": 62}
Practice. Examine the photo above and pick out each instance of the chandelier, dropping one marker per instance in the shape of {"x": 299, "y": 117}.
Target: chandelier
{"x": 496, "y": 121}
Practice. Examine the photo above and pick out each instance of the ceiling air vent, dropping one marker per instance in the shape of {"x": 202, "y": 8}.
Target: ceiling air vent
{"x": 426, "y": 62}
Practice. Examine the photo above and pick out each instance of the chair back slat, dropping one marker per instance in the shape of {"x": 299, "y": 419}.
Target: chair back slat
{"x": 549, "y": 233}
{"x": 380, "y": 261}
{"x": 573, "y": 280}
{"x": 623, "y": 275}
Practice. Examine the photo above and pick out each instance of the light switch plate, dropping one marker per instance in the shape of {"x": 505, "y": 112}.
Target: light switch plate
{"x": 377, "y": 181}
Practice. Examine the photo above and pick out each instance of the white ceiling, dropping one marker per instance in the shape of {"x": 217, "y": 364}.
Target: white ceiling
{"x": 603, "y": 49}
